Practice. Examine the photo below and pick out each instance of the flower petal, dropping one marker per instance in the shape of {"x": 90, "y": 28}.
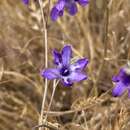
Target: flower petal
{"x": 54, "y": 13}
{"x": 67, "y": 84}
{"x": 57, "y": 10}
{"x": 77, "y": 76}
{"x": 60, "y": 5}
{"x": 83, "y": 2}
{"x": 115, "y": 79}
{"x": 72, "y": 8}
{"x": 79, "y": 65}
{"x": 57, "y": 57}
{"x": 122, "y": 76}
{"x": 119, "y": 76}
{"x": 119, "y": 89}
{"x": 51, "y": 73}
{"x": 26, "y": 2}
{"x": 66, "y": 55}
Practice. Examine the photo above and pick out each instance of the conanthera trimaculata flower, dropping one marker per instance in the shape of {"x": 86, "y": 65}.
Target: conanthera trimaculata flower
{"x": 64, "y": 70}
{"x": 69, "y": 5}
{"x": 26, "y": 2}
{"x": 122, "y": 81}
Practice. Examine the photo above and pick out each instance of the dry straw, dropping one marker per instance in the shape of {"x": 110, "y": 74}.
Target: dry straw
{"x": 102, "y": 37}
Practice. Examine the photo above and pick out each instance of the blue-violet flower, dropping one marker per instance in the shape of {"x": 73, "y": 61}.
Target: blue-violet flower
{"x": 64, "y": 70}
{"x": 26, "y": 2}
{"x": 69, "y": 5}
{"x": 122, "y": 81}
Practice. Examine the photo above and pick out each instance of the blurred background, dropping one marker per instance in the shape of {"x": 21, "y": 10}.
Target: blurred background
{"x": 100, "y": 31}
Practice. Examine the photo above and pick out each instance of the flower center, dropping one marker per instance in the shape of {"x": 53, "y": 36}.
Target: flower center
{"x": 65, "y": 71}
{"x": 126, "y": 79}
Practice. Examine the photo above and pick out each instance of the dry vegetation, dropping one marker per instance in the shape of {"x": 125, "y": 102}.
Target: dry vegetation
{"x": 102, "y": 34}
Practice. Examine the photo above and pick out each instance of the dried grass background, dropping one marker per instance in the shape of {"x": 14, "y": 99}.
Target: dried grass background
{"x": 86, "y": 106}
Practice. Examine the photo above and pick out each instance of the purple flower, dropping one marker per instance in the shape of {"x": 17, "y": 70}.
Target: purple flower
{"x": 26, "y": 2}
{"x": 66, "y": 72}
{"x": 69, "y": 5}
{"x": 122, "y": 81}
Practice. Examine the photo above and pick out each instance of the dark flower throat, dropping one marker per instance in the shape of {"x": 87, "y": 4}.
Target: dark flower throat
{"x": 65, "y": 71}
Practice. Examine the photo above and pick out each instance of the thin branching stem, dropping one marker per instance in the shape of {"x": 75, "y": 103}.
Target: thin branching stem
{"x": 45, "y": 42}
{"x": 55, "y": 83}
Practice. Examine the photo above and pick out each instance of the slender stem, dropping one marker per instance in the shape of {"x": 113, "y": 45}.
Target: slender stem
{"x": 45, "y": 41}
{"x": 52, "y": 96}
